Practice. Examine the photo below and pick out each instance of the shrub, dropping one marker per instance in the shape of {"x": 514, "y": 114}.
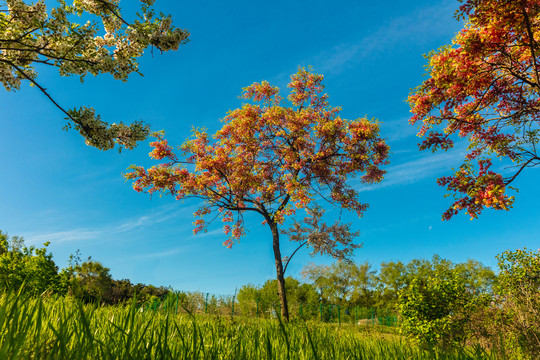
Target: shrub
{"x": 436, "y": 306}
{"x": 511, "y": 324}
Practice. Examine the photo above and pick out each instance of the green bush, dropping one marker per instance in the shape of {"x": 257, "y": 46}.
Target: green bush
{"x": 435, "y": 308}
{"x": 511, "y": 325}
{"x": 28, "y": 268}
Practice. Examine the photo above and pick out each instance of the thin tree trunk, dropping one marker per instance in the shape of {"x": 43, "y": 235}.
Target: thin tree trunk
{"x": 279, "y": 272}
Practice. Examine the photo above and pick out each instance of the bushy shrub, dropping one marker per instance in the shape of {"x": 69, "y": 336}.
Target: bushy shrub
{"x": 26, "y": 267}
{"x": 511, "y": 324}
{"x": 435, "y": 310}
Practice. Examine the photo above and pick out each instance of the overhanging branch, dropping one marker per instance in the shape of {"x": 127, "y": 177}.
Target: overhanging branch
{"x": 290, "y": 257}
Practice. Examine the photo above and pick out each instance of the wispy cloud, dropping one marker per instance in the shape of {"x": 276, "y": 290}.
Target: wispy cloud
{"x": 428, "y": 165}
{"x": 62, "y": 236}
{"x": 163, "y": 214}
{"x": 159, "y": 254}
{"x": 412, "y": 27}
{"x": 397, "y": 129}
{"x": 151, "y": 218}
{"x": 215, "y": 232}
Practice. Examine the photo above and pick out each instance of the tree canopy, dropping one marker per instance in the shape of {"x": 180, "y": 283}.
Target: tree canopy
{"x": 484, "y": 87}
{"x": 271, "y": 160}
{"x": 343, "y": 282}
{"x": 85, "y": 37}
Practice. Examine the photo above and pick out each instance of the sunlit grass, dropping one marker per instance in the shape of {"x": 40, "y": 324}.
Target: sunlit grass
{"x": 60, "y": 328}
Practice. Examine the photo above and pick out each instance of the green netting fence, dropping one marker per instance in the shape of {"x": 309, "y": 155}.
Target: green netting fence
{"x": 212, "y": 304}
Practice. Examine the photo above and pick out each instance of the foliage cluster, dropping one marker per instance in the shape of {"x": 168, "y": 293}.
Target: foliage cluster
{"x": 484, "y": 87}
{"x": 443, "y": 310}
{"x": 32, "y": 267}
{"x": 436, "y": 305}
{"x": 511, "y": 322}
{"x": 79, "y": 38}
{"x": 348, "y": 283}
{"x": 32, "y": 270}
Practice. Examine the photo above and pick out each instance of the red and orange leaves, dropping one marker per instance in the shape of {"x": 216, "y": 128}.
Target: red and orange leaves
{"x": 484, "y": 88}
{"x": 270, "y": 158}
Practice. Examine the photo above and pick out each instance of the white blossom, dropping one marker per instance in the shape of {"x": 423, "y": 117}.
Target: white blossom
{"x": 31, "y": 36}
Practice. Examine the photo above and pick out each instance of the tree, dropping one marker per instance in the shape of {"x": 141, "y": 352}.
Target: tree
{"x": 121, "y": 291}
{"x": 435, "y": 310}
{"x": 265, "y": 298}
{"x": 484, "y": 87}
{"x": 475, "y": 276}
{"x": 391, "y": 280}
{"x": 480, "y": 278}
{"x": 509, "y": 324}
{"x": 517, "y": 305}
{"x": 31, "y": 36}
{"x": 317, "y": 275}
{"x": 271, "y": 160}
{"x": 343, "y": 282}
{"x": 31, "y": 268}
{"x": 92, "y": 282}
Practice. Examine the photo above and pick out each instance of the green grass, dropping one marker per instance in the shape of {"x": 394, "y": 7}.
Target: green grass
{"x": 61, "y": 328}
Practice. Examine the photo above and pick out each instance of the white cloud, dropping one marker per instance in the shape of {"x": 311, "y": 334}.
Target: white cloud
{"x": 428, "y": 165}
{"x": 62, "y": 236}
{"x": 153, "y": 217}
{"x": 217, "y": 232}
{"x": 415, "y": 27}
{"x": 159, "y": 254}
{"x": 163, "y": 214}
{"x": 397, "y": 129}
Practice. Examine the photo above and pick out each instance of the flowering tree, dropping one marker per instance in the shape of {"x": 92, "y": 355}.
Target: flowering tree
{"x": 271, "y": 160}
{"x": 30, "y": 35}
{"x": 484, "y": 87}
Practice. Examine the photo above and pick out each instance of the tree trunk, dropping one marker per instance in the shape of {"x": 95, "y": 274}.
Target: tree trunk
{"x": 279, "y": 272}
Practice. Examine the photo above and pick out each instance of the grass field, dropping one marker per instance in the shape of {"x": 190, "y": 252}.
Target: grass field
{"x": 60, "y": 328}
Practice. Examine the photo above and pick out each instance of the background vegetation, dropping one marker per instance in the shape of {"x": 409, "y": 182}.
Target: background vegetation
{"x": 462, "y": 310}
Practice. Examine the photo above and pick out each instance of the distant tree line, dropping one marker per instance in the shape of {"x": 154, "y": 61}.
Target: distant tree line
{"x": 32, "y": 270}
{"x": 350, "y": 284}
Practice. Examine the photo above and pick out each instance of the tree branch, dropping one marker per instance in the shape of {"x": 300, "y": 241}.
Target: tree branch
{"x": 531, "y": 43}
{"x": 521, "y": 169}
{"x": 42, "y": 89}
{"x": 290, "y": 257}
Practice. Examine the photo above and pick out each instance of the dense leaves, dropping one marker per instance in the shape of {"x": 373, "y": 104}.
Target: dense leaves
{"x": 484, "y": 87}
{"x": 69, "y": 38}
{"x": 343, "y": 283}
{"x": 517, "y": 305}
{"x": 437, "y": 303}
{"x": 26, "y": 268}
{"x": 92, "y": 282}
{"x": 361, "y": 284}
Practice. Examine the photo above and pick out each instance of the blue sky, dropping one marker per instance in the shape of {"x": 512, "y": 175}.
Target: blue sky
{"x": 55, "y": 188}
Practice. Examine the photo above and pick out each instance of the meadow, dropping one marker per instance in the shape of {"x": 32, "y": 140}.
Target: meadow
{"x": 64, "y": 328}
